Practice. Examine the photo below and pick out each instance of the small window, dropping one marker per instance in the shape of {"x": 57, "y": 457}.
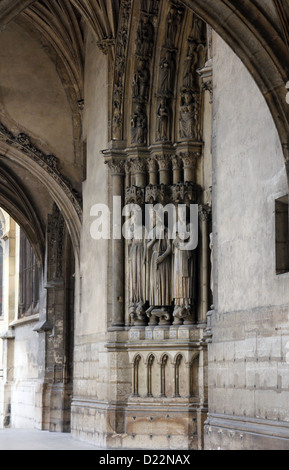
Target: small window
{"x": 28, "y": 279}
{"x": 282, "y": 234}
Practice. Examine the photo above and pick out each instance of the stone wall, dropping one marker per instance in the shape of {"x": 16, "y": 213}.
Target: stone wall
{"x": 91, "y": 362}
{"x": 248, "y": 372}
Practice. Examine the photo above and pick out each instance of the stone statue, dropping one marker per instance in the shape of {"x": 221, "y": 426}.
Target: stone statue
{"x": 139, "y": 126}
{"x": 145, "y": 37}
{"x": 183, "y": 274}
{"x": 191, "y": 64}
{"x": 187, "y": 117}
{"x": 141, "y": 82}
{"x": 163, "y": 118}
{"x": 159, "y": 250}
{"x": 166, "y": 74}
{"x": 174, "y": 19}
{"x": 136, "y": 270}
{"x": 190, "y": 126}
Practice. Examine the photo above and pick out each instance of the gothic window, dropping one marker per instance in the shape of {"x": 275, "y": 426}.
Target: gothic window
{"x": 28, "y": 279}
{"x": 282, "y": 235}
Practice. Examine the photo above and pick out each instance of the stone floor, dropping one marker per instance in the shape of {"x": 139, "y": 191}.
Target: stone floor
{"x": 12, "y": 439}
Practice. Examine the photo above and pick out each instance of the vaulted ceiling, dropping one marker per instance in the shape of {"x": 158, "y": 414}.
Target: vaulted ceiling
{"x": 257, "y": 30}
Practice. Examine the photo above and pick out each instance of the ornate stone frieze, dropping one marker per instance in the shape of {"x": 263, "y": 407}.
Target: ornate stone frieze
{"x": 157, "y": 194}
{"x": 191, "y": 103}
{"x": 185, "y": 192}
{"x": 135, "y": 195}
{"x": 142, "y": 77}
{"x": 119, "y": 72}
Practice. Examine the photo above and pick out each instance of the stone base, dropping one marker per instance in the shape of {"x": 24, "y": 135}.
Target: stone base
{"x": 236, "y": 433}
{"x": 55, "y": 403}
{"x": 166, "y": 424}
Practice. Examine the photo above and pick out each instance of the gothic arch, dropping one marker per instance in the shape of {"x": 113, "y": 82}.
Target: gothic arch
{"x": 16, "y": 203}
{"x": 20, "y": 151}
{"x": 258, "y": 43}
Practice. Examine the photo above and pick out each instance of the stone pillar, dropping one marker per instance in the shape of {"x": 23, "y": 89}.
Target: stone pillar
{"x": 139, "y": 169}
{"x": 164, "y": 162}
{"x": 190, "y": 160}
{"x": 117, "y": 167}
{"x": 153, "y": 171}
{"x": 189, "y": 153}
{"x": 205, "y": 214}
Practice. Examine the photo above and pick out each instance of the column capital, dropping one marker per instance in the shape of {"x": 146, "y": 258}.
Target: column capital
{"x": 117, "y": 166}
{"x": 205, "y": 212}
{"x": 138, "y": 165}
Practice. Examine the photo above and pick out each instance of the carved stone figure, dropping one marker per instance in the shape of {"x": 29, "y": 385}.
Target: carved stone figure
{"x": 145, "y": 37}
{"x": 183, "y": 275}
{"x": 174, "y": 20}
{"x": 159, "y": 251}
{"x": 191, "y": 64}
{"x": 166, "y": 74}
{"x": 199, "y": 30}
{"x": 141, "y": 82}
{"x": 190, "y": 127}
{"x": 139, "y": 126}
{"x": 187, "y": 117}
{"x": 136, "y": 272}
{"x": 163, "y": 118}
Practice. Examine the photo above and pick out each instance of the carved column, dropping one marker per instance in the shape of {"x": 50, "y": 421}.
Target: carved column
{"x": 117, "y": 168}
{"x": 153, "y": 171}
{"x": 205, "y": 215}
{"x": 163, "y": 376}
{"x": 164, "y": 162}
{"x": 177, "y": 169}
{"x": 190, "y": 160}
{"x": 139, "y": 169}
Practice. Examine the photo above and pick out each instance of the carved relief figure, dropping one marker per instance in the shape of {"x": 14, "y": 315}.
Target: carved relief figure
{"x": 174, "y": 20}
{"x": 163, "y": 118}
{"x": 190, "y": 126}
{"x": 137, "y": 274}
{"x": 183, "y": 274}
{"x": 139, "y": 126}
{"x": 159, "y": 255}
{"x": 145, "y": 37}
{"x": 191, "y": 64}
{"x": 141, "y": 82}
{"x": 166, "y": 74}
